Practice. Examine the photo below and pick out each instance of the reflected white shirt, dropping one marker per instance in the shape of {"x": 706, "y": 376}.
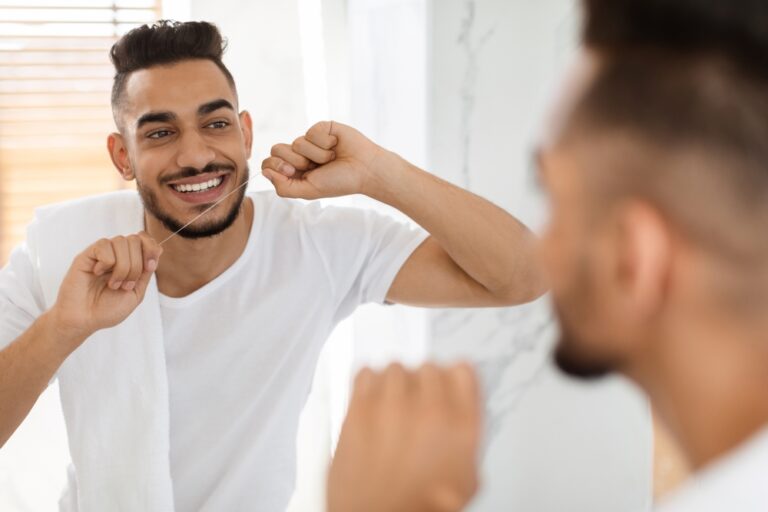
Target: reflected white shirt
{"x": 738, "y": 482}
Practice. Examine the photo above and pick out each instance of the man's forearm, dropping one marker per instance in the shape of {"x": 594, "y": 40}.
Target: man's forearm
{"x": 488, "y": 243}
{"x": 26, "y": 367}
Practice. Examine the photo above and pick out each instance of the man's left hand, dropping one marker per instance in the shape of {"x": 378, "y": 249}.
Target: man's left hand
{"x": 331, "y": 160}
{"x": 409, "y": 442}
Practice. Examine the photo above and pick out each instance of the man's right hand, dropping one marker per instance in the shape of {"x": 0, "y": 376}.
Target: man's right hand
{"x": 105, "y": 283}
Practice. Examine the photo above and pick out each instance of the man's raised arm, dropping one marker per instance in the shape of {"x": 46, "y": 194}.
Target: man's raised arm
{"x": 478, "y": 254}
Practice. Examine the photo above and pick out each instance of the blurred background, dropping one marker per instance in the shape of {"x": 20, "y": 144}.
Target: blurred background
{"x": 459, "y": 87}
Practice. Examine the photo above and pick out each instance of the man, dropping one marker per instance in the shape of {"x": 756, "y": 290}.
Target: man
{"x": 657, "y": 170}
{"x": 185, "y": 332}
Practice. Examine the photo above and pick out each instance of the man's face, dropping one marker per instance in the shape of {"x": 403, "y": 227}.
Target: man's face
{"x": 611, "y": 254}
{"x": 575, "y": 250}
{"x": 186, "y": 144}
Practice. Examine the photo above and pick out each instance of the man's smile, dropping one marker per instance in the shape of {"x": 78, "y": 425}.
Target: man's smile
{"x": 203, "y": 188}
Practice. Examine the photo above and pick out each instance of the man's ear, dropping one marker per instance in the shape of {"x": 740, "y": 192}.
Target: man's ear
{"x": 246, "y": 125}
{"x": 644, "y": 257}
{"x": 119, "y": 155}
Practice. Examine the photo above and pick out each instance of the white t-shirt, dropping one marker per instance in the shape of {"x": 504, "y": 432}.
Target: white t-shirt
{"x": 241, "y": 351}
{"x": 736, "y": 483}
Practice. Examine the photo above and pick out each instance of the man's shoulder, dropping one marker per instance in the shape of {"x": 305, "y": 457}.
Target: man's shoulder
{"x": 91, "y": 205}
{"x": 80, "y": 222}
{"x": 314, "y": 214}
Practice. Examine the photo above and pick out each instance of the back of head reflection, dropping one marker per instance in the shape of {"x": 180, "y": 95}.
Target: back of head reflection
{"x": 659, "y": 174}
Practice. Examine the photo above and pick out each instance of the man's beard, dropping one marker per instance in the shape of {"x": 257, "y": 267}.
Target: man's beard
{"x": 573, "y": 360}
{"x": 572, "y": 354}
{"x": 209, "y": 227}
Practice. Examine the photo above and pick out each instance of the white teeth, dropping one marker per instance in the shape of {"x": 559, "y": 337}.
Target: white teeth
{"x": 199, "y": 187}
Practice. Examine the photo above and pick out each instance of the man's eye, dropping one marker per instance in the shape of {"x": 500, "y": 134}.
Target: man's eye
{"x": 218, "y": 124}
{"x": 159, "y": 134}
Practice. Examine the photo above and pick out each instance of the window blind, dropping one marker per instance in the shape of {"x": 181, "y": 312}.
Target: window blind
{"x": 55, "y": 80}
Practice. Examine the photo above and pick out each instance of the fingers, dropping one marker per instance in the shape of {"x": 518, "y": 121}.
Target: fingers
{"x": 321, "y": 135}
{"x": 277, "y": 164}
{"x": 431, "y": 384}
{"x": 102, "y": 257}
{"x": 136, "y": 263}
{"x": 409, "y": 427}
{"x": 363, "y": 397}
{"x": 453, "y": 390}
{"x": 364, "y": 385}
{"x": 122, "y": 266}
{"x": 315, "y": 153}
{"x": 129, "y": 260}
{"x": 295, "y": 188}
{"x": 289, "y": 160}
{"x": 396, "y": 383}
{"x": 305, "y": 154}
{"x": 465, "y": 392}
{"x": 151, "y": 251}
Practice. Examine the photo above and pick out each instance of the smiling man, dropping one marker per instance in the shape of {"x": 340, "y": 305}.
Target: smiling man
{"x": 183, "y": 368}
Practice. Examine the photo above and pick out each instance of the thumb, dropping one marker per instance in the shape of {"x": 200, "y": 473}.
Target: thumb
{"x": 151, "y": 253}
{"x": 142, "y": 283}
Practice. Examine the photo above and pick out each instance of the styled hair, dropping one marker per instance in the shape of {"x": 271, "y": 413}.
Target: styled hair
{"x": 165, "y": 42}
{"x": 733, "y": 28}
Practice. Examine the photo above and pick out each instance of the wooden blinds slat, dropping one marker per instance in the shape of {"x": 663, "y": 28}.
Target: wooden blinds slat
{"x": 55, "y": 81}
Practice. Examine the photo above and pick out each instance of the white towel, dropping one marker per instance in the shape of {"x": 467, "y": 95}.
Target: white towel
{"x": 114, "y": 387}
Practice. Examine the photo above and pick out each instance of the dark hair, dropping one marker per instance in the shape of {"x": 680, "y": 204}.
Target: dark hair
{"x": 684, "y": 81}
{"x": 687, "y": 132}
{"x": 733, "y": 28}
{"x": 165, "y": 42}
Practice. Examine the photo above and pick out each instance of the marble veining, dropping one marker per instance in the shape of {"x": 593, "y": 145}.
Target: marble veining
{"x": 471, "y": 45}
{"x": 509, "y": 348}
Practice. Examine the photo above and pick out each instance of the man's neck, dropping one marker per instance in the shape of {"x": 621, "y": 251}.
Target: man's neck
{"x": 188, "y": 265}
{"x": 709, "y": 385}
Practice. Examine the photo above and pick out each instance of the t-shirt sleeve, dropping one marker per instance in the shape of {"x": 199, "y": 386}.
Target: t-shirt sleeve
{"x": 363, "y": 251}
{"x": 21, "y": 297}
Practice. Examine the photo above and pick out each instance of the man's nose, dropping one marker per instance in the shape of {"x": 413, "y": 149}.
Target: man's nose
{"x": 194, "y": 151}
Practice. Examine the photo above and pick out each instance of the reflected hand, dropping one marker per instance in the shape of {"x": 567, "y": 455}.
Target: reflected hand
{"x": 409, "y": 442}
{"x": 331, "y": 160}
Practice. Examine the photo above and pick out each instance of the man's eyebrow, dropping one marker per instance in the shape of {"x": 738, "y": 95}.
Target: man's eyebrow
{"x": 212, "y": 106}
{"x": 155, "y": 117}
